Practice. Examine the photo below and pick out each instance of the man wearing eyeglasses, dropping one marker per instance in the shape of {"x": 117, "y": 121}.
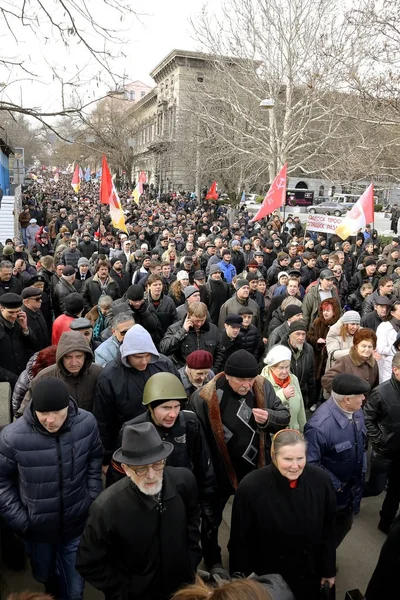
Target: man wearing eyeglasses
{"x": 141, "y": 540}
{"x": 108, "y": 350}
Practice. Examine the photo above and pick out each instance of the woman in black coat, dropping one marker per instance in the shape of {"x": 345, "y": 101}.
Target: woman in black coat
{"x": 283, "y": 518}
{"x": 384, "y": 582}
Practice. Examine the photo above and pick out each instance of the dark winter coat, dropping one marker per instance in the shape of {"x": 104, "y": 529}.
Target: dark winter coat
{"x": 190, "y": 450}
{"x": 15, "y": 350}
{"x": 118, "y": 397}
{"x": 38, "y": 326}
{"x": 179, "y": 343}
{"x": 360, "y": 278}
{"x": 61, "y": 290}
{"x": 303, "y": 368}
{"x": 92, "y": 291}
{"x": 382, "y": 417}
{"x": 205, "y": 403}
{"x": 250, "y": 340}
{"x": 300, "y": 521}
{"x": 132, "y": 549}
{"x": 371, "y": 320}
{"x": 337, "y": 446}
{"x": 13, "y": 286}
{"x": 237, "y": 260}
{"x": 218, "y": 294}
{"x": 165, "y": 312}
{"x": 123, "y": 280}
{"x": 87, "y": 248}
{"x": 319, "y": 329}
{"x": 48, "y": 481}
{"x": 142, "y": 316}
{"x": 81, "y": 386}
{"x": 71, "y": 257}
{"x": 384, "y": 582}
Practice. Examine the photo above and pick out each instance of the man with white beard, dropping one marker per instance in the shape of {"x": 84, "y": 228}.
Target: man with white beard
{"x": 141, "y": 540}
{"x": 302, "y": 361}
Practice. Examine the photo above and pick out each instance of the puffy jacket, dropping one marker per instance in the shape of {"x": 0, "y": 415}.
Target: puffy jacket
{"x": 337, "y": 446}
{"x": 48, "y": 481}
{"x": 228, "y": 270}
{"x": 250, "y": 340}
{"x": 118, "y": 397}
{"x": 107, "y": 351}
{"x": 71, "y": 257}
{"x": 92, "y": 291}
{"x": 179, "y": 343}
{"x": 303, "y": 368}
{"x": 382, "y": 417}
{"x": 81, "y": 386}
{"x": 22, "y": 385}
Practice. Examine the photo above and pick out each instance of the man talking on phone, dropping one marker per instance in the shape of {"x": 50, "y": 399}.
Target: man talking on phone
{"x": 17, "y": 342}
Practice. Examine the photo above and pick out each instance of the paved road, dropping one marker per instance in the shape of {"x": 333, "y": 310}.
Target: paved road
{"x": 357, "y": 556}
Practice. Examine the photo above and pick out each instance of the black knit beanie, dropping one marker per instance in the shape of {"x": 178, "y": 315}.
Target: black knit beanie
{"x": 73, "y": 303}
{"x": 50, "y": 395}
{"x": 241, "y": 364}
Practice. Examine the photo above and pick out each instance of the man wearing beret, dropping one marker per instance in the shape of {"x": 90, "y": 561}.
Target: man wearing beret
{"x": 17, "y": 342}
{"x": 197, "y": 371}
{"x": 336, "y": 440}
{"x": 32, "y": 303}
{"x": 238, "y": 410}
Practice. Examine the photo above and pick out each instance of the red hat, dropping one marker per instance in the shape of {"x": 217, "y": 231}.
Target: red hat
{"x": 200, "y": 359}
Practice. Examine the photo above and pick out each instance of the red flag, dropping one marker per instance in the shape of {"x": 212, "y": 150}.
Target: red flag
{"x": 76, "y": 181}
{"x": 275, "y": 197}
{"x": 212, "y": 192}
{"x": 106, "y": 185}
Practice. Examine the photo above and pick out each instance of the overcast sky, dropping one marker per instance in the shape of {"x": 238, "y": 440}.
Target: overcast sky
{"x": 162, "y": 26}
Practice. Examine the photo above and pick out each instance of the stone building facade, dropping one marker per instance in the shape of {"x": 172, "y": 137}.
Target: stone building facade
{"x": 161, "y": 145}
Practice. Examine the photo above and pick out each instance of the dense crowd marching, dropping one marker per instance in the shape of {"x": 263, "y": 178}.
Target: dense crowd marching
{"x": 197, "y": 356}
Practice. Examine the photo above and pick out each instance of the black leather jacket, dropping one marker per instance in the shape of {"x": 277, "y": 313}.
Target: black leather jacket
{"x": 382, "y": 417}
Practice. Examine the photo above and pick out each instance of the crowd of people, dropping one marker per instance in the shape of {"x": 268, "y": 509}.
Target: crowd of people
{"x": 155, "y": 373}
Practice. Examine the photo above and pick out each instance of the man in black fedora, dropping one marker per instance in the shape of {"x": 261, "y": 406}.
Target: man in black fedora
{"x": 141, "y": 540}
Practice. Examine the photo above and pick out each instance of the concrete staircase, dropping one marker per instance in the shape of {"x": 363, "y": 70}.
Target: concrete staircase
{"x": 7, "y": 221}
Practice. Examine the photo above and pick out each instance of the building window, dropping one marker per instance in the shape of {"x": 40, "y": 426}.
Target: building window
{"x": 131, "y": 95}
{"x": 200, "y": 79}
{"x": 142, "y": 94}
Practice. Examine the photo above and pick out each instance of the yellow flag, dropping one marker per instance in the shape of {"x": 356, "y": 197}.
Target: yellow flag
{"x": 136, "y": 194}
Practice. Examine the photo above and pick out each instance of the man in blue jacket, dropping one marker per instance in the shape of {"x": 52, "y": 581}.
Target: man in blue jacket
{"x": 50, "y": 473}
{"x": 226, "y": 267}
{"x": 336, "y": 439}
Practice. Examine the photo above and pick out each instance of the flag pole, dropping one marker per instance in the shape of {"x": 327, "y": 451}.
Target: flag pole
{"x": 98, "y": 241}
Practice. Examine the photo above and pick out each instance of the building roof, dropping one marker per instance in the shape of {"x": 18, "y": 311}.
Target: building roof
{"x": 174, "y": 54}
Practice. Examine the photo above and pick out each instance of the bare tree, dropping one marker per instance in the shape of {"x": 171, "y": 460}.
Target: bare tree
{"x": 294, "y": 52}
{"x": 45, "y": 28}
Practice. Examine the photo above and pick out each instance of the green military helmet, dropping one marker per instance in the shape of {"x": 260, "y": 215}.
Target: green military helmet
{"x": 163, "y": 387}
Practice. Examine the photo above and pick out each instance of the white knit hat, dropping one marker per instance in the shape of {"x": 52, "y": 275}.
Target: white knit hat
{"x": 276, "y": 355}
{"x": 182, "y": 275}
{"x": 351, "y": 316}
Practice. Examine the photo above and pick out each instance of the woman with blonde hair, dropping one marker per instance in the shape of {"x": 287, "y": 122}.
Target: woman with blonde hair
{"x": 286, "y": 385}
{"x": 283, "y": 520}
{"x": 177, "y": 287}
{"x": 339, "y": 339}
{"x": 170, "y": 256}
{"x": 239, "y": 589}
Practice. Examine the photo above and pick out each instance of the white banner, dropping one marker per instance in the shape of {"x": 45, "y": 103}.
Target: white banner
{"x": 323, "y": 223}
